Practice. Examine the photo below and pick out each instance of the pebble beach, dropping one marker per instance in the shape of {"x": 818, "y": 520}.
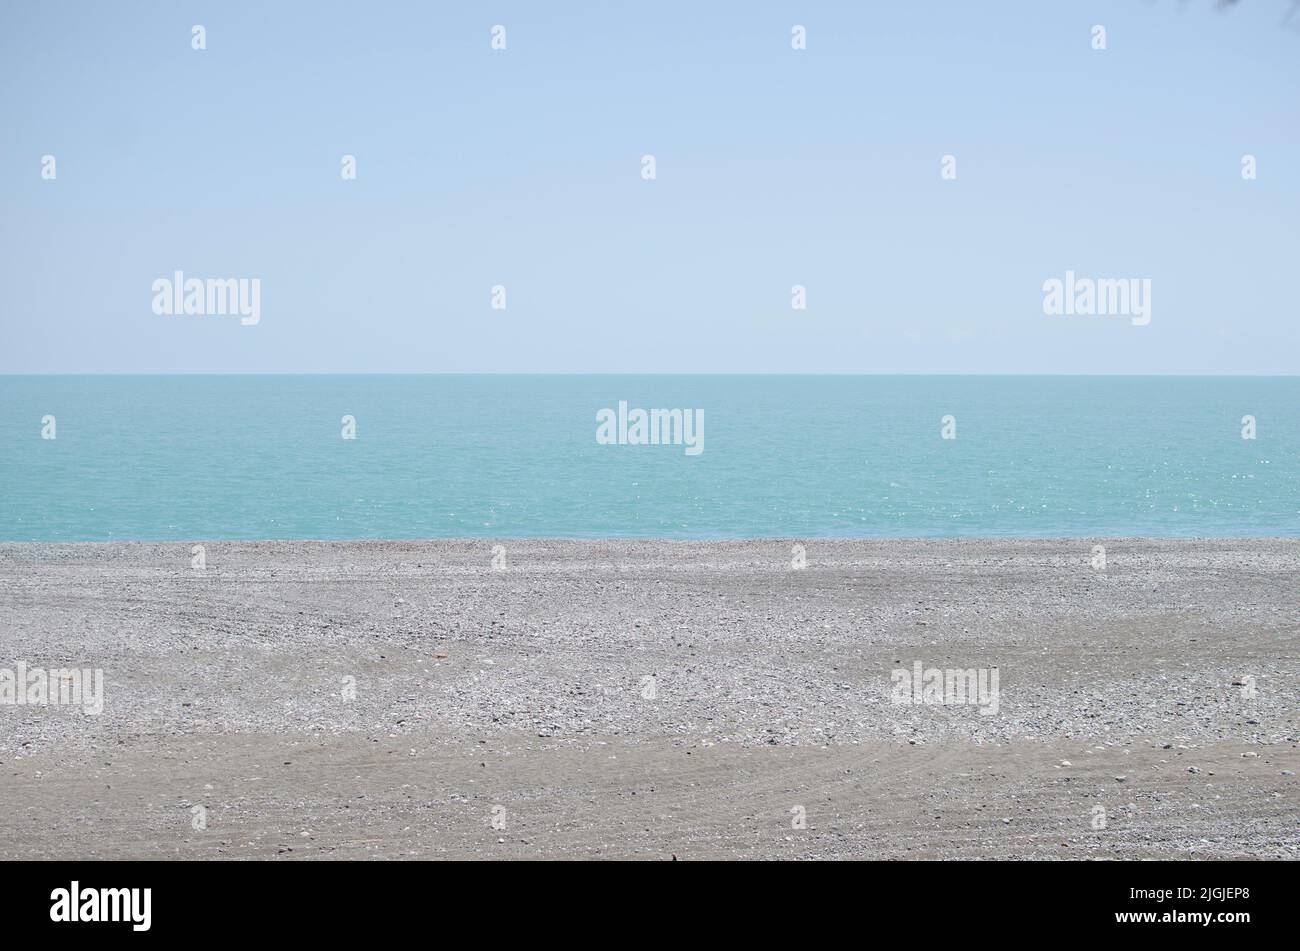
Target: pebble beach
{"x": 654, "y": 699}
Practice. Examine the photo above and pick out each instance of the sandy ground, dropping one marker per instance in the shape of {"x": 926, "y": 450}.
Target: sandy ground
{"x": 654, "y": 699}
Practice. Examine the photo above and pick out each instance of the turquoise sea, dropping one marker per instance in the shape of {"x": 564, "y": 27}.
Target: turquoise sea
{"x": 253, "y": 457}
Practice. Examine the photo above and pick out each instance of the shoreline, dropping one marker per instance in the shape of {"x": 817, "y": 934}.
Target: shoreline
{"x": 771, "y": 687}
{"x": 660, "y": 540}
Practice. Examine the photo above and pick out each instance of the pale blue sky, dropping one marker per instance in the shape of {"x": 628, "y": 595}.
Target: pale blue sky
{"x": 775, "y": 167}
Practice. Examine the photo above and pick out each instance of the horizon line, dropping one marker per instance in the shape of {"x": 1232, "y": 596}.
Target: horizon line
{"x": 791, "y": 373}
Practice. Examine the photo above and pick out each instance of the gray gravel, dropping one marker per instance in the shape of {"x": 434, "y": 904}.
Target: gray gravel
{"x": 1167, "y": 685}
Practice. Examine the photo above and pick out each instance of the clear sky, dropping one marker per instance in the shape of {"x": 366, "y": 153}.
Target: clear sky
{"x": 775, "y": 167}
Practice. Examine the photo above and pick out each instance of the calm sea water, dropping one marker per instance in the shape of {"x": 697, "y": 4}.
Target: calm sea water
{"x": 249, "y": 457}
